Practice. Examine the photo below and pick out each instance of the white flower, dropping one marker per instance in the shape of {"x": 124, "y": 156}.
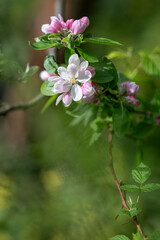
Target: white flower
{"x": 71, "y": 78}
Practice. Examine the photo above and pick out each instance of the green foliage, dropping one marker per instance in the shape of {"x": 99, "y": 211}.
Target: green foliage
{"x": 46, "y": 88}
{"x": 48, "y": 103}
{"x": 97, "y": 40}
{"x": 150, "y": 187}
{"x": 130, "y": 188}
{"x": 30, "y": 71}
{"x": 87, "y": 55}
{"x": 137, "y": 236}
{"x": 119, "y": 237}
{"x": 121, "y": 121}
{"x": 141, "y": 173}
{"x": 151, "y": 63}
{"x": 50, "y": 64}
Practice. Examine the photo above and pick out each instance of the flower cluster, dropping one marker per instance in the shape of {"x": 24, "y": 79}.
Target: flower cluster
{"x": 73, "y": 82}
{"x": 58, "y": 25}
{"x": 130, "y": 90}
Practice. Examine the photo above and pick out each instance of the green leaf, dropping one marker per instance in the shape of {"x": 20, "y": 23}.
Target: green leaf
{"x": 141, "y": 173}
{"x": 151, "y": 63}
{"x": 109, "y": 66}
{"x": 46, "y": 88}
{"x": 138, "y": 236}
{"x": 156, "y": 235}
{"x": 102, "y": 76}
{"x": 50, "y": 64}
{"x": 142, "y": 130}
{"x": 30, "y": 71}
{"x": 87, "y": 55}
{"x": 134, "y": 210}
{"x": 125, "y": 212}
{"x": 99, "y": 40}
{"x": 43, "y": 45}
{"x": 48, "y": 103}
{"x": 130, "y": 188}
{"x": 119, "y": 237}
{"x": 121, "y": 121}
{"x": 150, "y": 187}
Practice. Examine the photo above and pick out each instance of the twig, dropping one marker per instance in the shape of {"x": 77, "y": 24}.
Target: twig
{"x": 125, "y": 205}
{"x": 6, "y": 108}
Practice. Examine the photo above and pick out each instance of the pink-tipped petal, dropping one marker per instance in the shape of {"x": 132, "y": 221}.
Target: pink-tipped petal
{"x": 78, "y": 27}
{"x": 46, "y": 28}
{"x": 85, "y": 20}
{"x": 67, "y": 99}
{"x": 69, "y": 23}
{"x": 92, "y": 70}
{"x": 59, "y": 98}
{"x": 87, "y": 89}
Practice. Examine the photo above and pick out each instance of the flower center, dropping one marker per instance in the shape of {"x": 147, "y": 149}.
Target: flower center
{"x": 73, "y": 81}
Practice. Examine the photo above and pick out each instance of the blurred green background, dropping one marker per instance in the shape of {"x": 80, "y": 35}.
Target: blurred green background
{"x": 52, "y": 185}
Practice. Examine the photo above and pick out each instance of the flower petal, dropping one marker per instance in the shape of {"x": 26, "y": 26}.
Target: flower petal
{"x": 83, "y": 65}
{"x": 72, "y": 71}
{"x": 61, "y": 86}
{"x": 76, "y": 92}
{"x": 84, "y": 76}
{"x": 74, "y": 59}
{"x": 67, "y": 99}
{"x": 59, "y": 98}
{"x": 54, "y": 78}
{"x": 62, "y": 71}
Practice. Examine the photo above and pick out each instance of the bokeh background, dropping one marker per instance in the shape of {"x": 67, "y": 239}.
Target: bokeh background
{"x": 52, "y": 185}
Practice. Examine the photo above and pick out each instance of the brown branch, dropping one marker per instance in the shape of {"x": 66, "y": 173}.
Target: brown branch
{"x": 6, "y": 108}
{"x": 125, "y": 205}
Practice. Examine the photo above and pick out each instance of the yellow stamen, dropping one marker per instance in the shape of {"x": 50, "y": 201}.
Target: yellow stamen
{"x": 73, "y": 81}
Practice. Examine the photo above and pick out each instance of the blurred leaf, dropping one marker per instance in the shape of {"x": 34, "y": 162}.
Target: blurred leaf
{"x": 87, "y": 55}
{"x": 119, "y": 237}
{"x": 141, "y": 173}
{"x": 142, "y": 130}
{"x": 156, "y": 235}
{"x": 46, "y": 88}
{"x": 98, "y": 40}
{"x": 150, "y": 187}
{"x": 48, "y": 103}
{"x": 137, "y": 236}
{"x": 102, "y": 76}
{"x": 134, "y": 210}
{"x": 130, "y": 188}
{"x": 30, "y": 71}
{"x": 151, "y": 63}
{"x": 50, "y": 64}
{"x": 121, "y": 121}
{"x": 125, "y": 212}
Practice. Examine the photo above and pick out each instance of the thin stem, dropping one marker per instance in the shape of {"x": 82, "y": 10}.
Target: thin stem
{"x": 125, "y": 205}
{"x": 6, "y": 108}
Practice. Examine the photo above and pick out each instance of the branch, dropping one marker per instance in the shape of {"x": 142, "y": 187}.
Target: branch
{"x": 125, "y": 205}
{"x": 6, "y": 108}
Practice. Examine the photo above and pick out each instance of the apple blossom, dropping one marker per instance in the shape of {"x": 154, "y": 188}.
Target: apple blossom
{"x": 85, "y": 20}
{"x": 78, "y": 27}
{"x": 70, "y": 79}
{"x": 87, "y": 89}
{"x": 132, "y": 100}
{"x": 130, "y": 88}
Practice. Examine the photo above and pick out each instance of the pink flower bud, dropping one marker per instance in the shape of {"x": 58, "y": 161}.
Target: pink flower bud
{"x": 78, "y": 27}
{"x": 158, "y": 121}
{"x": 56, "y": 24}
{"x": 87, "y": 89}
{"x": 88, "y": 99}
{"x": 46, "y": 28}
{"x": 130, "y": 88}
{"x": 67, "y": 99}
{"x": 132, "y": 100}
{"x": 44, "y": 75}
{"x": 92, "y": 70}
{"x": 69, "y": 23}
{"x": 85, "y": 20}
